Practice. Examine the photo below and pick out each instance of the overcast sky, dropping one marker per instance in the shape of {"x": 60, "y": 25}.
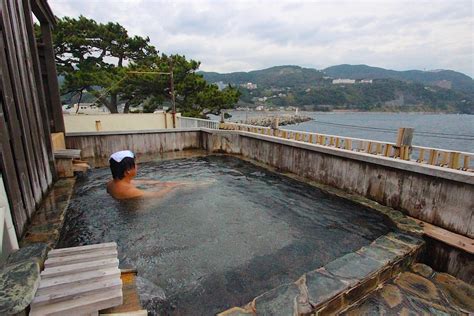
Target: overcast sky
{"x": 237, "y": 35}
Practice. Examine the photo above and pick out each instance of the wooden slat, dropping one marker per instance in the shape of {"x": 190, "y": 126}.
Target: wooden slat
{"x": 52, "y": 80}
{"x": 81, "y": 249}
{"x": 30, "y": 93}
{"x": 10, "y": 177}
{"x": 42, "y": 115}
{"x": 79, "y": 267}
{"x": 15, "y": 131}
{"x": 20, "y": 101}
{"x": 55, "y": 285}
{"x": 84, "y": 305}
{"x": 99, "y": 255}
{"x": 67, "y": 153}
{"x": 77, "y": 291}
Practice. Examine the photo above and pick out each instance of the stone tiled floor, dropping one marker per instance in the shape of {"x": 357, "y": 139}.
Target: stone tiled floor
{"x": 420, "y": 291}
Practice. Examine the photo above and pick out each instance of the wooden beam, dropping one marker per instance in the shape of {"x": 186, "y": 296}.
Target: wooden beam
{"x": 52, "y": 79}
{"x": 458, "y": 241}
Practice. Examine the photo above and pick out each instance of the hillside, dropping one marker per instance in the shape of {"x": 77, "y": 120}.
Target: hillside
{"x": 413, "y": 90}
{"x": 279, "y": 76}
{"x": 459, "y": 81}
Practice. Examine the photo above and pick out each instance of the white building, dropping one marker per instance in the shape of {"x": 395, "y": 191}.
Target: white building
{"x": 249, "y": 85}
{"x": 366, "y": 81}
{"x": 85, "y": 108}
{"x": 343, "y": 81}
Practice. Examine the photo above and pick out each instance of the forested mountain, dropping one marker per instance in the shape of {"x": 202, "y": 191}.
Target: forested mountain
{"x": 279, "y": 76}
{"x": 389, "y": 90}
{"x": 459, "y": 81}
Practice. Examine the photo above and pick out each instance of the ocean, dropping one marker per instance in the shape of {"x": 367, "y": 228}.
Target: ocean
{"x": 445, "y": 131}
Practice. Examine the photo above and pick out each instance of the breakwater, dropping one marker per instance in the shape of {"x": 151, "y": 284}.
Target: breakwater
{"x": 283, "y": 120}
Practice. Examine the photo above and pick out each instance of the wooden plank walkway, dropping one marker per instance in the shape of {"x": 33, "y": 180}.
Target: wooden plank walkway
{"x": 79, "y": 281}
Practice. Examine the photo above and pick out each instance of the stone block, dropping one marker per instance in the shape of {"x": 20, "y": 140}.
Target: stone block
{"x": 391, "y": 245}
{"x": 378, "y": 253}
{"x": 37, "y": 251}
{"x": 278, "y": 301}
{"x": 322, "y": 287}
{"x": 409, "y": 240}
{"x": 18, "y": 285}
{"x": 353, "y": 267}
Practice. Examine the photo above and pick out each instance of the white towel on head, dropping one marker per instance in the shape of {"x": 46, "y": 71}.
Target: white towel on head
{"x": 119, "y": 155}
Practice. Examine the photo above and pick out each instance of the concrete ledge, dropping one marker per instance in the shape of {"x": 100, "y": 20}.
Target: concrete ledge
{"x": 434, "y": 171}
{"x": 150, "y": 131}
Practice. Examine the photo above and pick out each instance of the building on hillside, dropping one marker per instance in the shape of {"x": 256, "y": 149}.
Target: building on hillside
{"x": 249, "y": 86}
{"x": 366, "y": 81}
{"x": 343, "y": 81}
{"x": 85, "y": 108}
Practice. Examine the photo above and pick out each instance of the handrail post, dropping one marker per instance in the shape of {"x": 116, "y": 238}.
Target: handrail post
{"x": 404, "y": 139}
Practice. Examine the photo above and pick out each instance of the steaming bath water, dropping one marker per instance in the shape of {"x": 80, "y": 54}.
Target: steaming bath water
{"x": 221, "y": 244}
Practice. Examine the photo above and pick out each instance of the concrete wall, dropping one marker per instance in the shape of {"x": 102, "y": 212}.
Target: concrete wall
{"x": 117, "y": 122}
{"x": 441, "y": 196}
{"x": 97, "y": 147}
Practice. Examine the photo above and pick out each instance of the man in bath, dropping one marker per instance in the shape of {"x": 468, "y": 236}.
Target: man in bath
{"x": 122, "y": 186}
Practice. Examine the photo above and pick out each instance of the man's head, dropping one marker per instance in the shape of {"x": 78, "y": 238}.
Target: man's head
{"x": 122, "y": 164}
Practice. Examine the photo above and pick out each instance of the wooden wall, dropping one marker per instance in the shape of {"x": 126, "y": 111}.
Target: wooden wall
{"x": 26, "y": 157}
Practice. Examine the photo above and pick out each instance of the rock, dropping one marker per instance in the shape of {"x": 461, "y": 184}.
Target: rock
{"x": 18, "y": 285}
{"x": 322, "y": 287}
{"x": 418, "y": 286}
{"x": 353, "y": 267}
{"x": 422, "y": 269}
{"x": 38, "y": 251}
{"x": 278, "y": 301}
{"x": 391, "y": 295}
{"x": 459, "y": 293}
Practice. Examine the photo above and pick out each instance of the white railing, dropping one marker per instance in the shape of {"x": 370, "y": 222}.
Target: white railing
{"x": 191, "y": 122}
{"x": 425, "y": 155}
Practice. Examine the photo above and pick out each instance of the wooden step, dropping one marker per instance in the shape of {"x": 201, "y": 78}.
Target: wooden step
{"x": 75, "y": 292}
{"x": 81, "y": 249}
{"x": 83, "y": 257}
{"x": 79, "y": 267}
{"x": 84, "y": 305}
{"x": 63, "y": 282}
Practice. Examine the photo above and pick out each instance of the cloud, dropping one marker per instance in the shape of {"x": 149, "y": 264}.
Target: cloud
{"x": 246, "y": 35}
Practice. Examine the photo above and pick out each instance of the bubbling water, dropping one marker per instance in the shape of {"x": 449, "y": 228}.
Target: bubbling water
{"x": 240, "y": 231}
